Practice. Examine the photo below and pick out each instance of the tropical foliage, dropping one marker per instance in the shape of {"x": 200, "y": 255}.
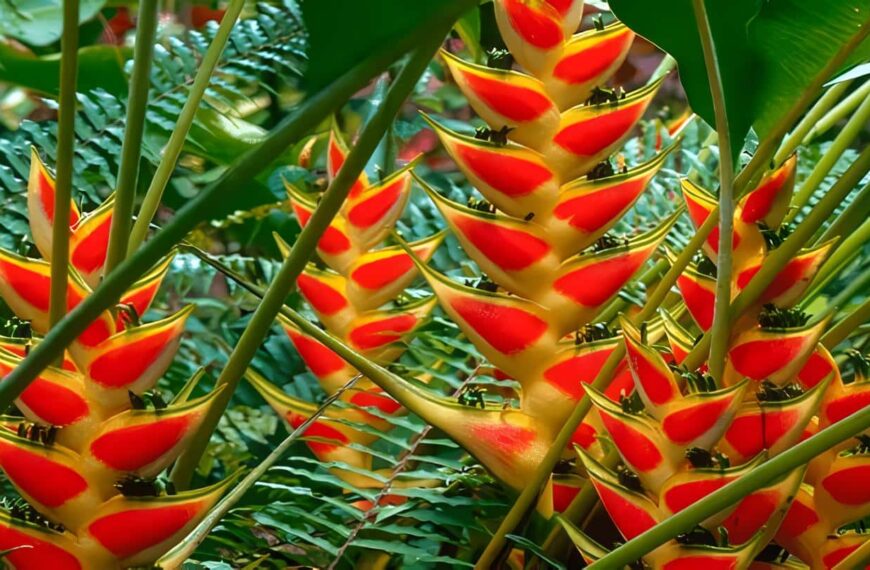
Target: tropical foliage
{"x": 503, "y": 284}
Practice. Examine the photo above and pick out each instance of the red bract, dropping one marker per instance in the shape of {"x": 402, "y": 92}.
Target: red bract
{"x": 70, "y": 477}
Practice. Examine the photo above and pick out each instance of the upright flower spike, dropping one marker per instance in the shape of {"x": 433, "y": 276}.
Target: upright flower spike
{"x": 358, "y": 301}
{"x": 73, "y": 463}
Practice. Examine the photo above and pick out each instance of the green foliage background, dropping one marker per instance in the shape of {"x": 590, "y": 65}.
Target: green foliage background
{"x": 300, "y": 515}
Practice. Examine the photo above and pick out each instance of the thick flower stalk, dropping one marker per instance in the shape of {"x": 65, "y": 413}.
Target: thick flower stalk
{"x": 784, "y": 386}
{"x": 540, "y": 236}
{"x": 357, "y": 298}
{"x": 92, "y": 436}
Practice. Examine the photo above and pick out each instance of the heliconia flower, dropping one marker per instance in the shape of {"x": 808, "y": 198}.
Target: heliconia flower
{"x": 331, "y": 370}
{"x": 842, "y": 400}
{"x": 25, "y": 284}
{"x": 372, "y": 213}
{"x": 698, "y": 292}
{"x": 28, "y": 546}
{"x": 145, "y": 442}
{"x": 842, "y": 495}
{"x": 40, "y": 203}
{"x": 335, "y": 156}
{"x": 335, "y": 246}
{"x": 586, "y": 209}
{"x": 381, "y": 275}
{"x": 514, "y": 178}
{"x": 534, "y": 31}
{"x": 515, "y": 253}
{"x": 21, "y": 347}
{"x": 373, "y": 279}
{"x": 640, "y": 442}
{"x": 583, "y": 284}
{"x": 589, "y": 59}
{"x": 554, "y": 391}
{"x": 653, "y": 378}
{"x": 589, "y": 133}
{"x": 85, "y": 438}
{"x": 769, "y": 201}
{"x": 133, "y": 359}
{"x": 747, "y": 242}
{"x": 631, "y": 511}
{"x": 774, "y": 426}
{"x": 328, "y": 437}
{"x": 51, "y": 478}
{"x": 819, "y": 366}
{"x": 513, "y": 333}
{"x": 836, "y": 497}
{"x": 141, "y": 294}
{"x": 377, "y": 334}
{"x": 325, "y": 291}
{"x": 137, "y": 531}
{"x": 89, "y": 234}
{"x": 503, "y": 98}
{"x": 679, "y": 339}
{"x": 776, "y": 355}
{"x": 690, "y": 485}
{"x": 56, "y": 397}
{"x": 559, "y": 492}
{"x": 794, "y": 279}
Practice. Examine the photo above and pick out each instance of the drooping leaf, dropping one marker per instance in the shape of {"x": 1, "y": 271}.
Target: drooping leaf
{"x": 775, "y": 47}
{"x": 38, "y": 22}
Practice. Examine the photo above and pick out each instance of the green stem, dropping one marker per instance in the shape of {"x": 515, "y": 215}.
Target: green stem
{"x": 612, "y": 310}
{"x": 182, "y": 127}
{"x": 65, "y": 150}
{"x": 720, "y": 330}
{"x": 793, "y": 140}
{"x": 844, "y": 140}
{"x": 190, "y": 543}
{"x": 793, "y": 458}
{"x": 580, "y": 506}
{"x": 839, "y": 112}
{"x": 852, "y": 216}
{"x": 211, "y": 203}
{"x": 746, "y": 180}
{"x": 285, "y": 281}
{"x": 841, "y": 331}
{"x": 131, "y": 149}
{"x": 777, "y": 260}
{"x": 846, "y": 251}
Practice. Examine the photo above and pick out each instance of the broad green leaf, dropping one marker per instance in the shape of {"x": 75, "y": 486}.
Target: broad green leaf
{"x": 768, "y": 52}
{"x": 468, "y": 28}
{"x": 100, "y": 67}
{"x": 793, "y": 40}
{"x": 38, "y": 22}
{"x": 342, "y": 33}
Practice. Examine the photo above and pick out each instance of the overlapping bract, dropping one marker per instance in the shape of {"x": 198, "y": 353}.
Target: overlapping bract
{"x": 538, "y": 240}
{"x": 356, "y": 299}
{"x": 79, "y": 438}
